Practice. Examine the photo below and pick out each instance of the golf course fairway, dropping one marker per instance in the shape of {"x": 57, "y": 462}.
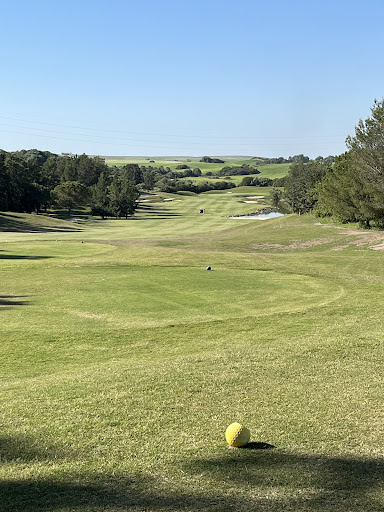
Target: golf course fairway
{"x": 123, "y": 361}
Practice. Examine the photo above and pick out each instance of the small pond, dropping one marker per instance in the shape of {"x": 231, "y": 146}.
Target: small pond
{"x": 262, "y": 216}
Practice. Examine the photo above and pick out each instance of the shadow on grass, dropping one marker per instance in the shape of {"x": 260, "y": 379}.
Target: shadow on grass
{"x": 7, "y": 256}
{"x": 257, "y": 446}
{"x": 158, "y": 212}
{"x": 298, "y": 482}
{"x": 246, "y": 480}
{"x": 13, "y": 223}
{"x": 24, "y": 449}
{"x": 121, "y": 495}
{"x": 150, "y": 213}
{"x": 9, "y": 300}
{"x": 154, "y": 217}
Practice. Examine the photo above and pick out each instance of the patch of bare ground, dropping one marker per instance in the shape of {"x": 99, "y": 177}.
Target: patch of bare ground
{"x": 374, "y": 240}
{"x": 295, "y": 244}
{"x": 356, "y": 238}
{"x": 324, "y": 225}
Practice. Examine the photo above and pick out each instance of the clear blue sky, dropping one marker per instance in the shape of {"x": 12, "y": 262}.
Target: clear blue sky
{"x": 175, "y": 77}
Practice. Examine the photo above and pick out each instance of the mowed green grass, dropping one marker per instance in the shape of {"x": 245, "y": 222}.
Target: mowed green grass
{"x": 266, "y": 171}
{"x": 273, "y": 171}
{"x": 158, "y": 215}
{"x": 123, "y": 361}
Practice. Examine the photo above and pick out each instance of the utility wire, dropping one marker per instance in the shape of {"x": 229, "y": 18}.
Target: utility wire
{"x": 167, "y": 135}
{"x": 136, "y": 140}
{"x": 164, "y": 144}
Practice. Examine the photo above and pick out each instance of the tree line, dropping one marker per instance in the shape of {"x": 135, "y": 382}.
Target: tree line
{"x": 295, "y": 158}
{"x": 33, "y": 180}
{"x": 238, "y": 170}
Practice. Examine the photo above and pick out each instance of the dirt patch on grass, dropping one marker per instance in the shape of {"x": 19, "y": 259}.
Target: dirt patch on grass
{"x": 374, "y": 240}
{"x": 370, "y": 239}
{"x": 294, "y": 244}
{"x": 379, "y": 247}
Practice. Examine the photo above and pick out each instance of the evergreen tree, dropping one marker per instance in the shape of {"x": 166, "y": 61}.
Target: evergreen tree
{"x": 341, "y": 193}
{"x": 4, "y": 182}
{"x": 300, "y": 184}
{"x": 50, "y": 176}
{"x": 100, "y": 198}
{"x": 367, "y": 148}
{"x": 129, "y": 195}
{"x": 89, "y": 169}
{"x": 149, "y": 179}
{"x": 17, "y": 182}
{"x": 275, "y": 196}
{"x": 70, "y": 169}
{"x": 354, "y": 189}
{"x": 69, "y": 194}
{"x": 123, "y": 195}
{"x": 115, "y": 197}
{"x": 134, "y": 173}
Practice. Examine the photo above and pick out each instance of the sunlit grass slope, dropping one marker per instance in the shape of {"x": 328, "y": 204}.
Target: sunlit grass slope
{"x": 266, "y": 171}
{"x": 123, "y": 361}
{"x": 273, "y": 170}
{"x": 158, "y": 215}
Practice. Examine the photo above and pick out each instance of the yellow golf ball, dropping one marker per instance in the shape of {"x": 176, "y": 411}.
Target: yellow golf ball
{"x": 237, "y": 435}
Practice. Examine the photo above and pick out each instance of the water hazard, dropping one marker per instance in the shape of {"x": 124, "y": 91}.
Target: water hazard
{"x": 261, "y": 216}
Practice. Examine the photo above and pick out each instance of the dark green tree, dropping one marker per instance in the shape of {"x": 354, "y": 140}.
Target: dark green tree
{"x": 21, "y": 187}
{"x": 69, "y": 194}
{"x": 89, "y": 169}
{"x": 43, "y": 197}
{"x": 341, "y": 191}
{"x": 17, "y": 182}
{"x": 50, "y": 176}
{"x": 4, "y": 182}
{"x": 353, "y": 190}
{"x": 367, "y": 148}
{"x": 134, "y": 173}
{"x": 70, "y": 169}
{"x": 100, "y": 197}
{"x": 115, "y": 195}
{"x": 129, "y": 195}
{"x": 149, "y": 179}
{"x": 247, "y": 181}
{"x": 123, "y": 196}
{"x": 275, "y": 196}
{"x": 300, "y": 184}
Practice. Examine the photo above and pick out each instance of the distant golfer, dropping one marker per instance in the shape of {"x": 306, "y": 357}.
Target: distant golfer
{"x": 208, "y": 268}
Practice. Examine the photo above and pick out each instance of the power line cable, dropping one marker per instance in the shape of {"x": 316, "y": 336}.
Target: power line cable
{"x": 210, "y": 150}
{"x": 170, "y": 135}
{"x": 236, "y": 144}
